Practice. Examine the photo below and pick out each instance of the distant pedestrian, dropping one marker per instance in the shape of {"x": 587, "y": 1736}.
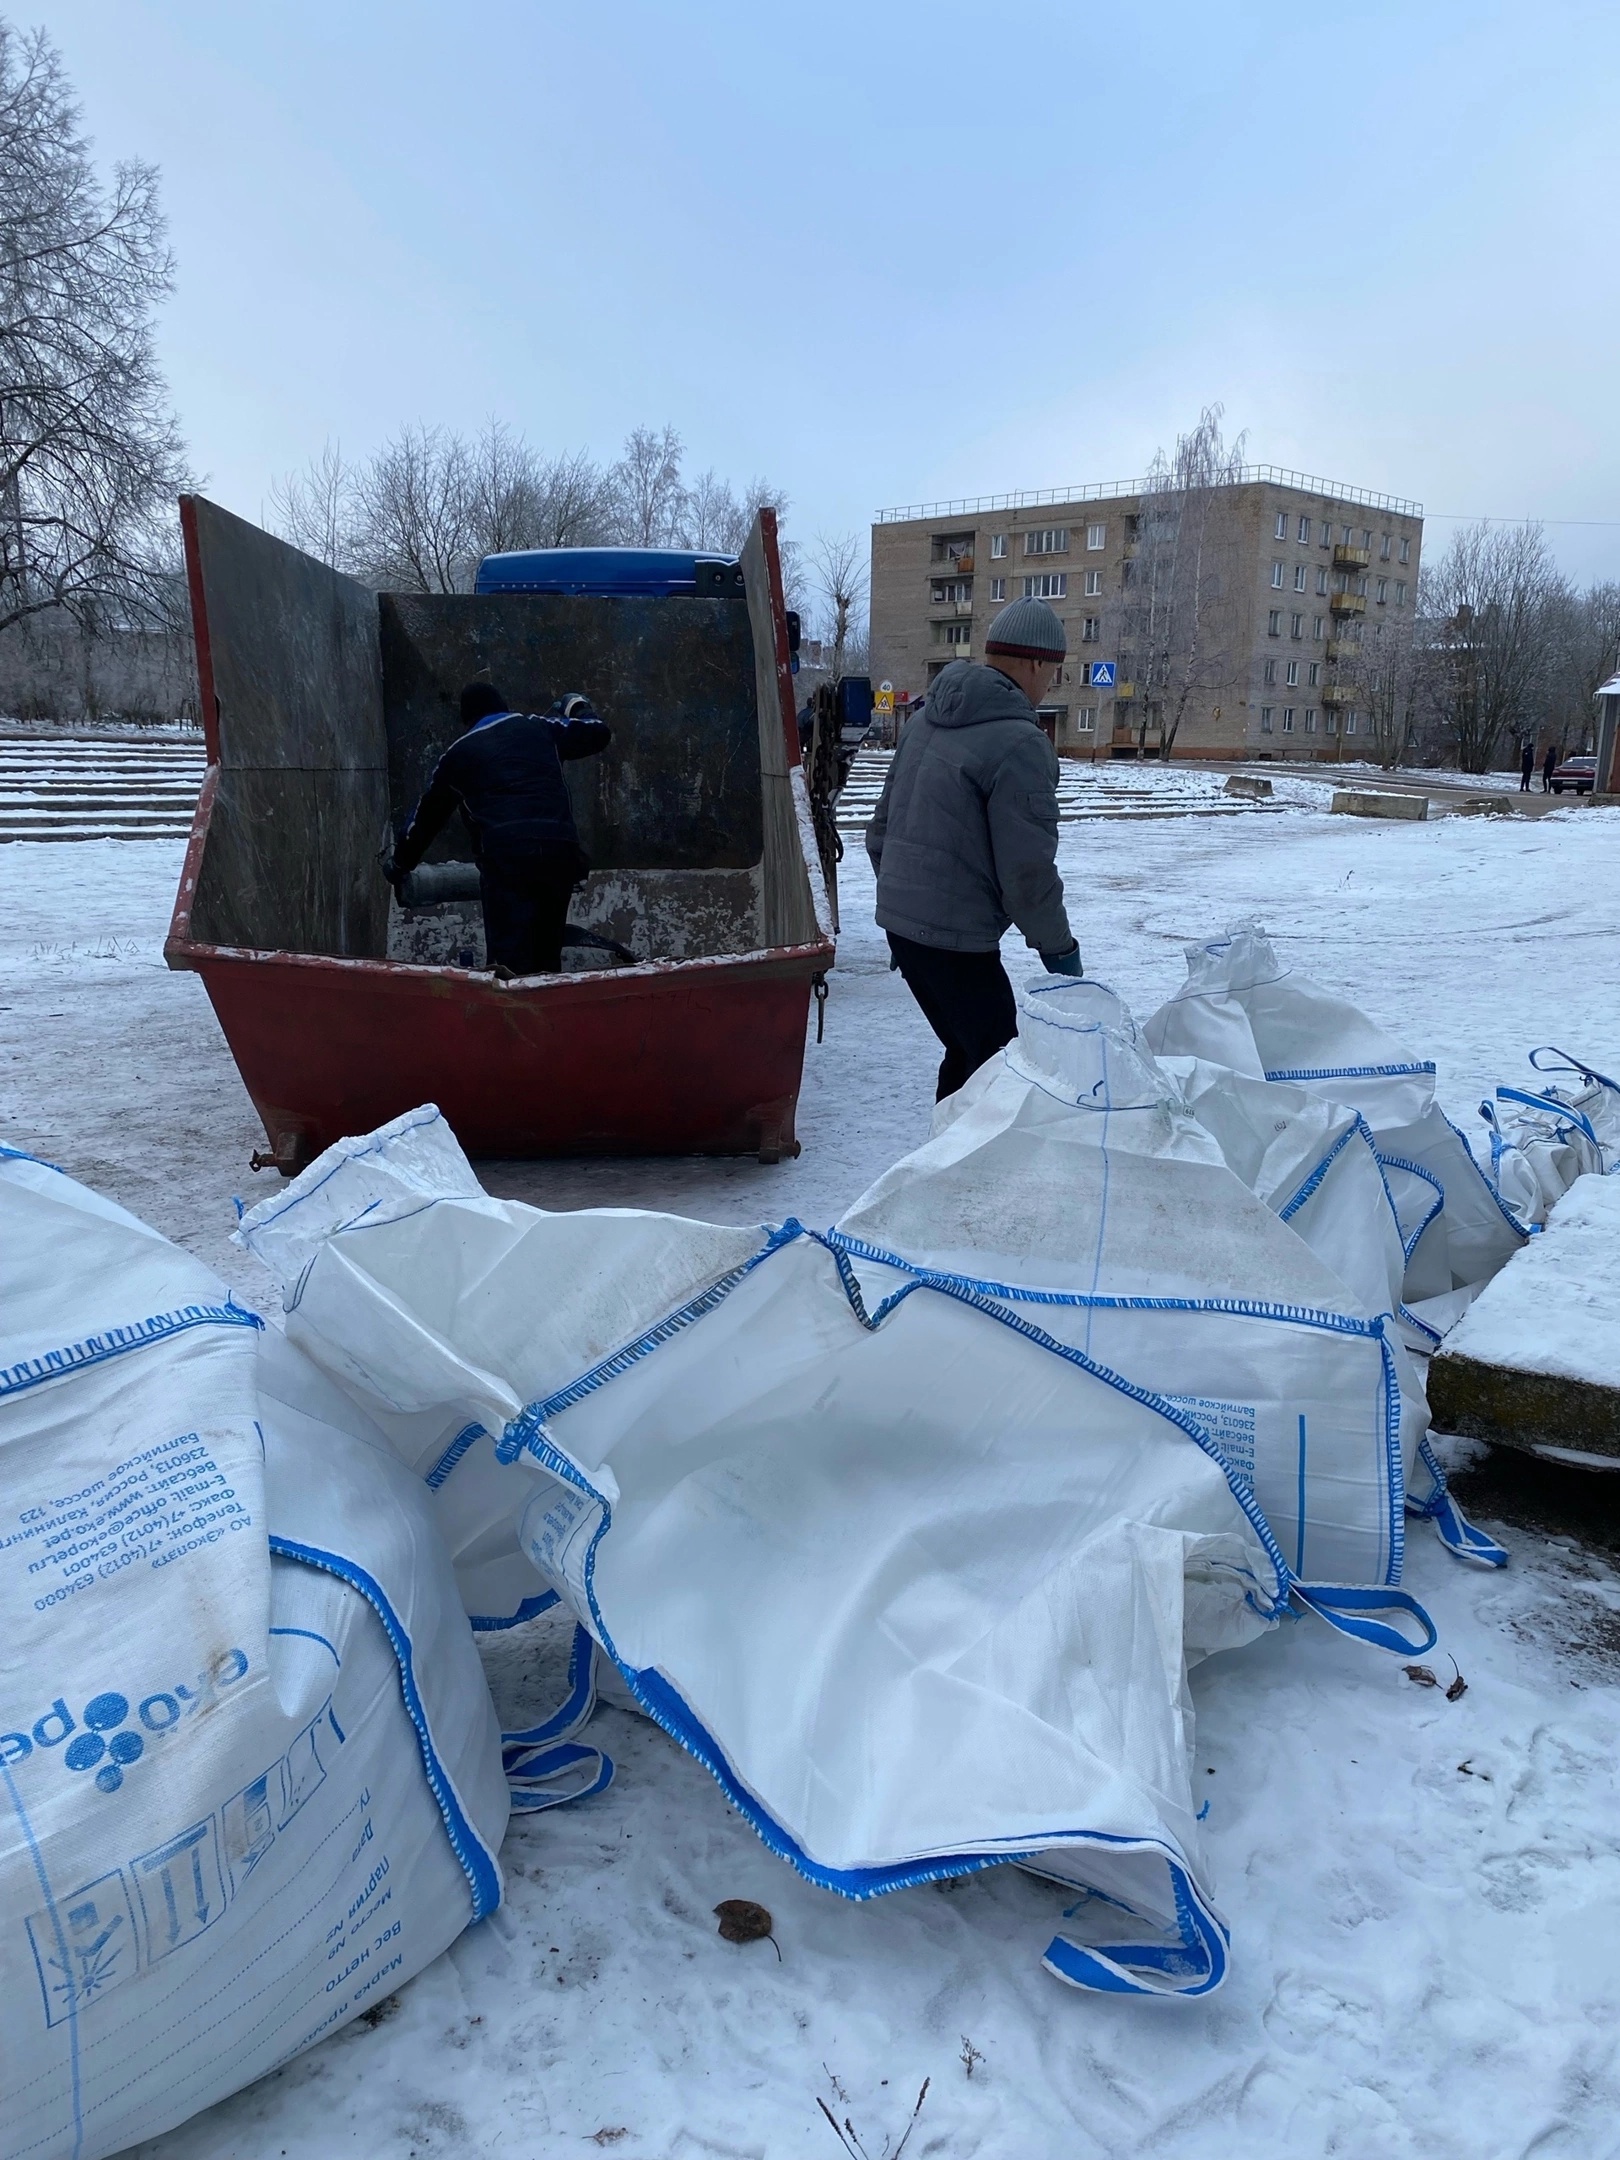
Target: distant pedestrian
{"x": 964, "y": 840}
{"x": 1549, "y": 765}
{"x": 1527, "y": 765}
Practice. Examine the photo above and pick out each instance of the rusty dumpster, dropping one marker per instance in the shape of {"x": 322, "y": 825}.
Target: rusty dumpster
{"x": 325, "y": 705}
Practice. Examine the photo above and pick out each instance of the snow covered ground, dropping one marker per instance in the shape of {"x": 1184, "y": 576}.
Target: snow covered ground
{"x": 1424, "y": 1894}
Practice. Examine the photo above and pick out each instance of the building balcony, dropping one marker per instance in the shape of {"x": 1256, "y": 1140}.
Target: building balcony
{"x": 959, "y": 565}
{"x": 949, "y": 610}
{"x": 1348, "y": 603}
{"x": 1351, "y": 558}
{"x": 1340, "y": 649}
{"x": 1338, "y": 694}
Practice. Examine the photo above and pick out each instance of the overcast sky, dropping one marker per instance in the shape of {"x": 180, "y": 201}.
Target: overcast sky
{"x": 885, "y": 251}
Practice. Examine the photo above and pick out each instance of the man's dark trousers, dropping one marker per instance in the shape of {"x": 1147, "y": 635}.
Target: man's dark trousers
{"x": 965, "y": 998}
{"x": 526, "y": 911}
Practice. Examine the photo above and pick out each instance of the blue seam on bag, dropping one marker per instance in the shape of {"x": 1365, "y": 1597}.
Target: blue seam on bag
{"x": 530, "y": 1609}
{"x": 289, "y": 1201}
{"x": 114, "y": 1342}
{"x": 1299, "y": 1560}
{"x": 477, "y": 1861}
{"x": 1287, "y": 1213}
{"x": 1402, "y": 1162}
{"x": 453, "y": 1454}
{"x": 17, "y": 1154}
{"x": 1412, "y": 1320}
{"x": 1506, "y": 1213}
{"x": 1395, "y": 1466}
{"x": 310, "y": 1635}
{"x": 1350, "y": 1072}
{"x": 63, "y": 1951}
{"x": 514, "y": 1439}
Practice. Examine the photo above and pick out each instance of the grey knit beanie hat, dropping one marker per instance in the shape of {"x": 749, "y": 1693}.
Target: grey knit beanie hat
{"x": 1027, "y": 630}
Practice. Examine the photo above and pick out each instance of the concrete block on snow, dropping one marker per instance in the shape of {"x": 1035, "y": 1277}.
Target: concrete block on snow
{"x": 1535, "y": 1361}
{"x": 1350, "y": 802}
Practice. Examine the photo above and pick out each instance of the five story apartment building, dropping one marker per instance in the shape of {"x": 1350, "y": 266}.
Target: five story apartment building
{"x": 1255, "y": 619}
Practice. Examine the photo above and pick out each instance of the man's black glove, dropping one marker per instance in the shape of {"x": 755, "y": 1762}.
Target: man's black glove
{"x": 391, "y": 870}
{"x": 574, "y": 705}
{"x": 1063, "y": 963}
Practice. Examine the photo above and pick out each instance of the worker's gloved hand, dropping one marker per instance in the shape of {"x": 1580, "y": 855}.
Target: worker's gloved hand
{"x": 575, "y": 705}
{"x": 391, "y": 870}
{"x": 1063, "y": 963}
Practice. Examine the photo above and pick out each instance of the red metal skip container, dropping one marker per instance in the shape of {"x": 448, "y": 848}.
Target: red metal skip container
{"x": 325, "y": 706}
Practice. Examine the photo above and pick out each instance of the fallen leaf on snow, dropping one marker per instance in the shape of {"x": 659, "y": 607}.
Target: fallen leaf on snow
{"x": 742, "y": 1921}
{"x": 1420, "y": 1675}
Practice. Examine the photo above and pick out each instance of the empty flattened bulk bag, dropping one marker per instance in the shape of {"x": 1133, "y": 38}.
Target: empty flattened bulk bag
{"x": 250, "y": 1778}
{"x": 915, "y": 1577}
{"x": 1243, "y": 1006}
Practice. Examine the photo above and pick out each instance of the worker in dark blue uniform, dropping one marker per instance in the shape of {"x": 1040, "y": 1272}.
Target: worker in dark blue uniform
{"x": 505, "y": 775}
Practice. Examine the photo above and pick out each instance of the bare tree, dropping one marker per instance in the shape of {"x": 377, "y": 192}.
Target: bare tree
{"x": 645, "y": 484}
{"x": 90, "y": 458}
{"x": 838, "y": 574}
{"x": 1488, "y": 602}
{"x": 1177, "y": 619}
{"x": 1583, "y": 635}
{"x": 413, "y": 513}
{"x": 315, "y": 509}
{"x": 573, "y": 505}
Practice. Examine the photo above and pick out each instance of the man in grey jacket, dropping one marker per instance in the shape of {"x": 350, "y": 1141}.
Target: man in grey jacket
{"x": 964, "y": 840}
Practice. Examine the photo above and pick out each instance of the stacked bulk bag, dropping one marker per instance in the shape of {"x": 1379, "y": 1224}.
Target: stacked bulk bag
{"x": 908, "y": 1530}
{"x": 250, "y": 1777}
{"x": 1243, "y": 1007}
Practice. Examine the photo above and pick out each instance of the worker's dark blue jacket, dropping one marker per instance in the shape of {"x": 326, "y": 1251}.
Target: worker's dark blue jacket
{"x": 506, "y": 775}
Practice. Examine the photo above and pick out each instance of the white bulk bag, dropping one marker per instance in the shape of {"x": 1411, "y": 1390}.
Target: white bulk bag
{"x": 883, "y": 1535}
{"x": 250, "y": 1778}
{"x": 1242, "y": 1006}
{"x": 1544, "y": 1138}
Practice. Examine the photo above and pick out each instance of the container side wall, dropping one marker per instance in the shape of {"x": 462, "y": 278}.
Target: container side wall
{"x": 289, "y": 652}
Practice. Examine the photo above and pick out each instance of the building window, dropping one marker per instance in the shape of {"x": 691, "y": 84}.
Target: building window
{"x": 1276, "y": 576}
{"x": 1366, "y": 541}
{"x": 952, "y": 592}
{"x": 1265, "y": 719}
{"x": 1274, "y": 623}
{"x": 1400, "y": 592}
{"x": 953, "y": 550}
{"x": 1327, "y": 533}
{"x": 1383, "y": 549}
{"x": 1305, "y": 532}
{"x": 1047, "y": 585}
{"x": 1093, "y": 584}
{"x": 998, "y": 546}
{"x": 1317, "y": 632}
{"x": 1288, "y": 720}
{"x": 998, "y": 588}
{"x": 1350, "y": 723}
{"x": 1330, "y": 721}
{"x": 958, "y": 633}
{"x": 1282, "y": 524}
{"x": 1296, "y": 626}
{"x": 1096, "y": 536}
{"x": 1091, "y": 630}
{"x": 1270, "y": 673}
{"x": 1293, "y": 674}
{"x": 1348, "y": 534}
{"x": 1313, "y": 674}
{"x": 1406, "y": 551}
{"x": 1321, "y": 578}
{"x": 1299, "y": 577}
{"x": 1310, "y": 719}
{"x": 1086, "y": 720}
{"x": 1048, "y": 540}
{"x": 1383, "y": 590}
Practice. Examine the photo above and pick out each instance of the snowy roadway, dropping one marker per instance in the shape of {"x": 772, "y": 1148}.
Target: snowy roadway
{"x": 1424, "y": 1895}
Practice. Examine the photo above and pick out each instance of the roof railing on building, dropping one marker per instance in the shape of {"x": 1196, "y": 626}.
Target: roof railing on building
{"x": 1107, "y": 490}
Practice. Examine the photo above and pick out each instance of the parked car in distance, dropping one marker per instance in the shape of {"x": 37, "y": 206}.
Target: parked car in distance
{"x": 1579, "y": 773}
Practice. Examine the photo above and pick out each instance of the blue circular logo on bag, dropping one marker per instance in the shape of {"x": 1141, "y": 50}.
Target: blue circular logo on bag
{"x": 101, "y": 1714}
